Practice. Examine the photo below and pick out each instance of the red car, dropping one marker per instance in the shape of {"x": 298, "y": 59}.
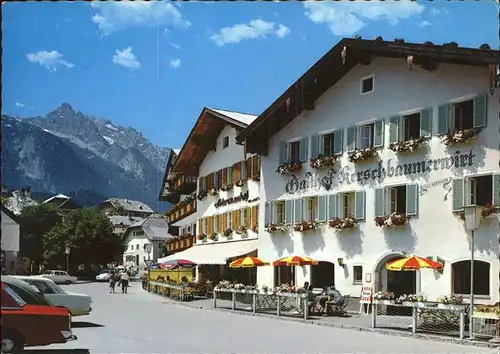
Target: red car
{"x": 27, "y": 325}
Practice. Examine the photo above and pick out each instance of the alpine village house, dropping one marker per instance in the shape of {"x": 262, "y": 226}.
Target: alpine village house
{"x": 227, "y": 195}
{"x": 371, "y": 155}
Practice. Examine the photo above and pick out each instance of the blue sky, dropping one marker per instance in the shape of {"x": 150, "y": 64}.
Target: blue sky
{"x": 154, "y": 65}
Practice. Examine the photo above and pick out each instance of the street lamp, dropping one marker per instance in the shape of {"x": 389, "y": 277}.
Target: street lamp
{"x": 148, "y": 247}
{"x": 68, "y": 250}
{"x": 472, "y": 219}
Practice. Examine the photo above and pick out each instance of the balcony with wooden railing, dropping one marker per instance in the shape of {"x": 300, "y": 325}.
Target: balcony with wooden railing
{"x": 181, "y": 210}
{"x": 184, "y": 184}
{"x": 180, "y": 243}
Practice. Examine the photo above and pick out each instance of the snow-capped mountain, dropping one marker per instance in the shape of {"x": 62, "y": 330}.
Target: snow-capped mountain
{"x": 67, "y": 151}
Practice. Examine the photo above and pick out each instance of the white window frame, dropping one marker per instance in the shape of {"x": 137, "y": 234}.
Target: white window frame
{"x": 388, "y": 191}
{"x": 310, "y": 214}
{"x": 289, "y": 147}
{"x": 372, "y": 76}
{"x": 351, "y": 195}
{"x": 451, "y": 114}
{"x": 354, "y": 282}
{"x": 403, "y": 125}
{"x": 468, "y": 186}
{"x": 359, "y": 128}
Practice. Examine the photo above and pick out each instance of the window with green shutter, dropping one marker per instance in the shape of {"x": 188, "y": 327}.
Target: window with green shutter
{"x": 288, "y": 211}
{"x": 444, "y": 119}
{"x": 322, "y": 208}
{"x": 480, "y": 110}
{"x": 394, "y": 129}
{"x": 279, "y": 212}
{"x": 346, "y": 204}
{"x": 496, "y": 190}
{"x": 379, "y": 202}
{"x": 268, "y": 210}
{"x": 411, "y": 199}
{"x": 378, "y": 135}
{"x": 466, "y": 114}
{"x": 338, "y": 141}
{"x": 229, "y": 177}
{"x": 304, "y": 142}
{"x": 359, "y": 205}
{"x": 332, "y": 206}
{"x": 458, "y": 194}
{"x": 315, "y": 149}
{"x": 426, "y": 122}
{"x": 298, "y": 209}
{"x": 351, "y": 138}
{"x": 282, "y": 152}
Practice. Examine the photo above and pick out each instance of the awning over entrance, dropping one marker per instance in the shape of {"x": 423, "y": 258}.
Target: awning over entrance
{"x": 214, "y": 253}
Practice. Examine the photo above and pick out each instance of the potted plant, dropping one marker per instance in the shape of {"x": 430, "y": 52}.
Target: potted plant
{"x": 321, "y": 162}
{"x": 362, "y": 155}
{"x": 265, "y": 289}
{"x": 384, "y": 298}
{"x": 201, "y": 237}
{"x": 393, "y": 220}
{"x": 241, "y": 182}
{"x": 255, "y": 228}
{"x": 406, "y": 146}
{"x": 288, "y": 168}
{"x": 213, "y": 191}
{"x": 212, "y": 236}
{"x": 242, "y": 230}
{"x": 412, "y": 300}
{"x": 227, "y": 232}
{"x": 487, "y": 311}
{"x": 489, "y": 211}
{"x": 338, "y": 224}
{"x": 451, "y": 302}
{"x": 226, "y": 187}
{"x": 272, "y": 228}
{"x": 305, "y": 226}
{"x": 460, "y": 136}
{"x": 202, "y": 195}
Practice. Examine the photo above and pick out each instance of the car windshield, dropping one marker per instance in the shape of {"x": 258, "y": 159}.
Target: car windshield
{"x": 47, "y": 272}
{"x": 55, "y": 288}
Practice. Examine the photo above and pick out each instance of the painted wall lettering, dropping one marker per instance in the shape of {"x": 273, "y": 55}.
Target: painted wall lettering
{"x": 444, "y": 182}
{"x": 239, "y": 198}
{"x": 383, "y": 170}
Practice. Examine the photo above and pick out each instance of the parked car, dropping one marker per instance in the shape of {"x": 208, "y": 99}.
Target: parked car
{"x": 28, "y": 325}
{"x": 77, "y": 304}
{"x": 104, "y": 275}
{"x": 24, "y": 290}
{"x": 59, "y": 277}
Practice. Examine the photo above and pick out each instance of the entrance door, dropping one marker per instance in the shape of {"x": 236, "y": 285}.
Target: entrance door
{"x": 401, "y": 283}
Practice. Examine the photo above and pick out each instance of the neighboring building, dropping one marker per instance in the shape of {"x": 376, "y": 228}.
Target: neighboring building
{"x": 62, "y": 202}
{"x": 121, "y": 223}
{"x": 125, "y": 207}
{"x": 365, "y": 106}
{"x": 10, "y": 241}
{"x": 228, "y": 189}
{"x": 17, "y": 200}
{"x": 154, "y": 230}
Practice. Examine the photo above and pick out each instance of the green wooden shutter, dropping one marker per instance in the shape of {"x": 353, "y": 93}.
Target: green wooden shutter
{"x": 298, "y": 210}
{"x": 322, "y": 207}
{"x": 379, "y": 202}
{"x": 303, "y": 149}
{"x": 426, "y": 122}
{"x": 443, "y": 119}
{"x": 458, "y": 194}
{"x": 282, "y": 152}
{"x": 332, "y": 206}
{"x": 378, "y": 136}
{"x": 216, "y": 224}
{"x": 496, "y": 190}
{"x": 288, "y": 211}
{"x": 230, "y": 175}
{"x": 351, "y": 139}
{"x": 480, "y": 110}
{"x": 411, "y": 199}
{"x": 394, "y": 129}
{"x": 338, "y": 141}
{"x": 359, "y": 205}
{"x": 268, "y": 213}
{"x": 315, "y": 150}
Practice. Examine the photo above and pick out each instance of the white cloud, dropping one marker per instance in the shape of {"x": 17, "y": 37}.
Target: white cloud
{"x": 126, "y": 58}
{"x": 347, "y": 18}
{"x": 251, "y": 30}
{"x": 282, "y": 31}
{"x": 176, "y": 46}
{"x": 50, "y": 60}
{"x": 115, "y": 16}
{"x": 19, "y": 104}
{"x": 424, "y": 23}
{"x": 175, "y": 63}
{"x": 435, "y": 12}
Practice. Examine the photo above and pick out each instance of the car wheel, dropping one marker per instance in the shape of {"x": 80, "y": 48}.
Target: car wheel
{"x": 67, "y": 282}
{"x": 12, "y": 342}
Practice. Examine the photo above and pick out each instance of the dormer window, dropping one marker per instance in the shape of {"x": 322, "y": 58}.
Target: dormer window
{"x": 367, "y": 85}
{"x": 225, "y": 142}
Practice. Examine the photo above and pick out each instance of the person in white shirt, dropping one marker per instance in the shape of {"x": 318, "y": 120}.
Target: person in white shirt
{"x": 124, "y": 280}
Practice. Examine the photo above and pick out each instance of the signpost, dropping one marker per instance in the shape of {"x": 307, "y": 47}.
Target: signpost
{"x": 365, "y": 298}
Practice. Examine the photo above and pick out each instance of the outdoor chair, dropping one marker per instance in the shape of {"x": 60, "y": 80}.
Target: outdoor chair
{"x": 338, "y": 310}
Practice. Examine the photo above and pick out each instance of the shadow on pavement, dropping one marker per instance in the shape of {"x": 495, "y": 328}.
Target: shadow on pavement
{"x": 83, "y": 324}
{"x": 57, "y": 351}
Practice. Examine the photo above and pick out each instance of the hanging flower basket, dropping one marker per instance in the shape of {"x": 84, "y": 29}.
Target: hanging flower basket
{"x": 241, "y": 182}
{"x": 272, "y": 228}
{"x": 305, "y": 226}
{"x": 407, "y": 146}
{"x": 322, "y": 162}
{"x": 362, "y": 155}
{"x": 393, "y": 220}
{"x": 202, "y": 195}
{"x": 226, "y": 187}
{"x": 288, "y": 168}
{"x": 342, "y": 224}
{"x": 213, "y": 192}
{"x": 460, "y": 136}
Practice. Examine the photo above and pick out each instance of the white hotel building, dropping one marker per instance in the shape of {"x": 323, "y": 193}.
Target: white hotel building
{"x": 363, "y": 100}
{"x": 227, "y": 195}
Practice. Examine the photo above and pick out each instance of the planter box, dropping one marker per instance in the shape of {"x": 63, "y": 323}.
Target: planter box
{"x": 454, "y": 307}
{"x": 419, "y": 304}
{"x": 489, "y": 315}
{"x": 384, "y": 302}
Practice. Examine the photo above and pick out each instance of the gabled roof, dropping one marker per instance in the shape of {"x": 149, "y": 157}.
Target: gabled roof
{"x": 154, "y": 226}
{"x": 129, "y": 205}
{"x": 126, "y": 221}
{"x": 335, "y": 64}
{"x": 203, "y": 137}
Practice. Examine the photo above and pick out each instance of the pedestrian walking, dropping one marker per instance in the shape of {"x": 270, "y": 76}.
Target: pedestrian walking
{"x": 112, "y": 283}
{"x": 124, "y": 279}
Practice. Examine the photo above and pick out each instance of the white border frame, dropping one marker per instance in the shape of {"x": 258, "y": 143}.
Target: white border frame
{"x": 354, "y": 282}
{"x": 372, "y": 76}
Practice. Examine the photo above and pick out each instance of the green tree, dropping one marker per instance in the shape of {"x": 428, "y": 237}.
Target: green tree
{"x": 36, "y": 220}
{"x": 90, "y": 236}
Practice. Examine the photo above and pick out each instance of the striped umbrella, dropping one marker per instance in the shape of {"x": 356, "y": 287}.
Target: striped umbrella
{"x": 295, "y": 261}
{"x": 248, "y": 262}
{"x": 413, "y": 263}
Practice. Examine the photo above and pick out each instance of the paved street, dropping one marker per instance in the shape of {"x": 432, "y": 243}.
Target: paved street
{"x": 142, "y": 323}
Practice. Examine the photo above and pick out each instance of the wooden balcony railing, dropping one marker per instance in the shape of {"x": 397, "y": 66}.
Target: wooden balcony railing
{"x": 180, "y": 210}
{"x": 183, "y": 185}
{"x": 181, "y": 243}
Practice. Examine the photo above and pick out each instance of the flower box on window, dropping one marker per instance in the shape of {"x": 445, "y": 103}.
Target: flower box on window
{"x": 406, "y": 146}
{"x": 460, "y": 136}
{"x": 227, "y": 187}
{"x": 362, "y": 155}
{"x": 242, "y": 230}
{"x": 213, "y": 191}
{"x": 241, "y": 182}
{"x": 288, "y": 168}
{"x": 201, "y": 237}
{"x": 227, "y": 233}
{"x": 342, "y": 224}
{"x": 489, "y": 211}
{"x": 212, "y": 236}
{"x": 202, "y": 195}
{"x": 322, "y": 162}
{"x": 271, "y": 228}
{"x": 393, "y": 220}
{"x": 305, "y": 226}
